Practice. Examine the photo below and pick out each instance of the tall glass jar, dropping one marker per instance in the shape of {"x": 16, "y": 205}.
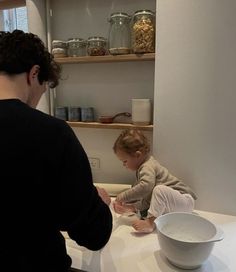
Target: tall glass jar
{"x": 119, "y": 33}
{"x": 143, "y": 31}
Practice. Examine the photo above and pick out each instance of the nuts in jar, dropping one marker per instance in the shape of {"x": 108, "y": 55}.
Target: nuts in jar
{"x": 143, "y": 32}
{"x": 96, "y": 46}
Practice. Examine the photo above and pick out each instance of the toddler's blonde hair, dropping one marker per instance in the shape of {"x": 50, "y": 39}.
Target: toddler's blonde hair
{"x": 130, "y": 141}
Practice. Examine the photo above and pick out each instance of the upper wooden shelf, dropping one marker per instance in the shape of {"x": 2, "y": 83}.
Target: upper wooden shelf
{"x": 109, "y": 126}
{"x": 8, "y": 4}
{"x": 107, "y": 58}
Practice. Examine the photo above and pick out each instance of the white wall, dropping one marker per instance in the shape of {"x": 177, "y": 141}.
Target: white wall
{"x": 98, "y": 143}
{"x": 195, "y": 96}
{"x": 36, "y": 11}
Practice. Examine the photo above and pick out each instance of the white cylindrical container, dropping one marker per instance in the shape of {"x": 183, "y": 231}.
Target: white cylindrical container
{"x": 141, "y": 111}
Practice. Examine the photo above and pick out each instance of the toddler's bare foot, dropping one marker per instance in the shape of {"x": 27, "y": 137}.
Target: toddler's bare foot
{"x": 144, "y": 226}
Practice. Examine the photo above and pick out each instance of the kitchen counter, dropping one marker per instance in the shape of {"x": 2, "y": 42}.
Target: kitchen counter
{"x": 131, "y": 251}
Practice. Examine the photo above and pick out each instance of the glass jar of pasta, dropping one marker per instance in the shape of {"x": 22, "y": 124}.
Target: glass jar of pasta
{"x": 143, "y": 31}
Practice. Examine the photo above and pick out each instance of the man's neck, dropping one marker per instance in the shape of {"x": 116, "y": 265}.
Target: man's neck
{"x": 13, "y": 87}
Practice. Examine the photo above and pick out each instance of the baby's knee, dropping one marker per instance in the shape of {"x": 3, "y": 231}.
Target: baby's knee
{"x": 159, "y": 189}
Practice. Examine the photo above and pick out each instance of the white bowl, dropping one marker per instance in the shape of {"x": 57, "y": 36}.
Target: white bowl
{"x": 186, "y": 239}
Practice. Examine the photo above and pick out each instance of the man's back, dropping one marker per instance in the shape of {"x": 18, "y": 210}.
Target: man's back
{"x": 46, "y": 187}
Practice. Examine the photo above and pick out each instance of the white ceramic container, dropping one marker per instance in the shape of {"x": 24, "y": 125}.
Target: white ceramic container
{"x": 141, "y": 111}
{"x": 186, "y": 239}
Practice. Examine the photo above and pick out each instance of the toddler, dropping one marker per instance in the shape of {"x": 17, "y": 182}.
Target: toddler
{"x": 155, "y": 191}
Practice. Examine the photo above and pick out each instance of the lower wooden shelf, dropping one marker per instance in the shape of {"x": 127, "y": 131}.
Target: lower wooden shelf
{"x": 109, "y": 126}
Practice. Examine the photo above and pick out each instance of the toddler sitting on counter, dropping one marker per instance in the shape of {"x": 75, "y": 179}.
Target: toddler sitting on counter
{"x": 155, "y": 191}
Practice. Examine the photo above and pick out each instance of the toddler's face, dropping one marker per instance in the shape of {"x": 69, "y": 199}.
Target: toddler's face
{"x": 131, "y": 162}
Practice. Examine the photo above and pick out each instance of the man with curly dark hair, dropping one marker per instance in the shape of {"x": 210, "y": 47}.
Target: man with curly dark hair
{"x": 46, "y": 182}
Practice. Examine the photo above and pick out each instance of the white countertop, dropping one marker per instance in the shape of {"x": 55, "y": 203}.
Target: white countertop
{"x": 129, "y": 251}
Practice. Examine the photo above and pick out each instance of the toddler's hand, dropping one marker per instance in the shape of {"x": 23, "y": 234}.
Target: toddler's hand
{"x": 118, "y": 208}
{"x": 121, "y": 208}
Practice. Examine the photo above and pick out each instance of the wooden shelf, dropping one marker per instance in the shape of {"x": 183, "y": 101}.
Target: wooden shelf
{"x": 104, "y": 59}
{"x": 109, "y": 126}
{"x": 107, "y": 58}
{"x": 8, "y": 4}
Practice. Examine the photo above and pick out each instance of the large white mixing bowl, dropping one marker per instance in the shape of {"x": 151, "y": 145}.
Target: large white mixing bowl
{"x": 186, "y": 239}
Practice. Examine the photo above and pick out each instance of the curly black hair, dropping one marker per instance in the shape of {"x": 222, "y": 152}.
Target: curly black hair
{"x": 20, "y": 51}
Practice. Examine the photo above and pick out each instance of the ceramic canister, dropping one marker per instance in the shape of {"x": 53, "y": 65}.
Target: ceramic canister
{"x": 87, "y": 114}
{"x": 61, "y": 113}
{"x": 74, "y": 114}
{"x": 141, "y": 111}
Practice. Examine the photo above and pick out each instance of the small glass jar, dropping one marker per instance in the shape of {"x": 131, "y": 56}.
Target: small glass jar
{"x": 143, "y": 32}
{"x": 59, "y": 44}
{"x": 96, "y": 46}
{"x": 59, "y": 52}
{"x": 119, "y": 33}
{"x": 59, "y": 48}
{"x": 76, "y": 47}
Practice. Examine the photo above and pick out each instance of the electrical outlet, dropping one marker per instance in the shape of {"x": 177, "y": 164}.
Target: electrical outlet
{"x": 94, "y": 163}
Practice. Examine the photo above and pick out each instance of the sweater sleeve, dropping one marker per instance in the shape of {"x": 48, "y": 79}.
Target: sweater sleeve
{"x": 82, "y": 213}
{"x": 143, "y": 187}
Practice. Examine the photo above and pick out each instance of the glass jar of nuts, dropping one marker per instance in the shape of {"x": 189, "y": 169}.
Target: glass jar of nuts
{"x": 143, "y": 32}
{"x": 96, "y": 46}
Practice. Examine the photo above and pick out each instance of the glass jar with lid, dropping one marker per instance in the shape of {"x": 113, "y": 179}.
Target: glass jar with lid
{"x": 143, "y": 31}
{"x": 59, "y": 48}
{"x": 119, "y": 33}
{"x": 59, "y": 52}
{"x": 96, "y": 46}
{"x": 76, "y": 47}
{"x": 59, "y": 44}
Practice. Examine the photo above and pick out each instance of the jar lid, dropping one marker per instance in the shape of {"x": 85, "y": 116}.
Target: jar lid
{"x": 97, "y": 38}
{"x": 119, "y": 14}
{"x": 59, "y": 43}
{"x": 58, "y": 50}
{"x": 77, "y": 41}
{"x": 144, "y": 12}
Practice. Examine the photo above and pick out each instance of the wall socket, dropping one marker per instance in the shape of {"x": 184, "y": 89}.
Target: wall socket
{"x": 94, "y": 163}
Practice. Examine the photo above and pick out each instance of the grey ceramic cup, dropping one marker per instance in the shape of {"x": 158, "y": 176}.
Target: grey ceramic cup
{"x": 74, "y": 114}
{"x": 61, "y": 113}
{"x": 87, "y": 114}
